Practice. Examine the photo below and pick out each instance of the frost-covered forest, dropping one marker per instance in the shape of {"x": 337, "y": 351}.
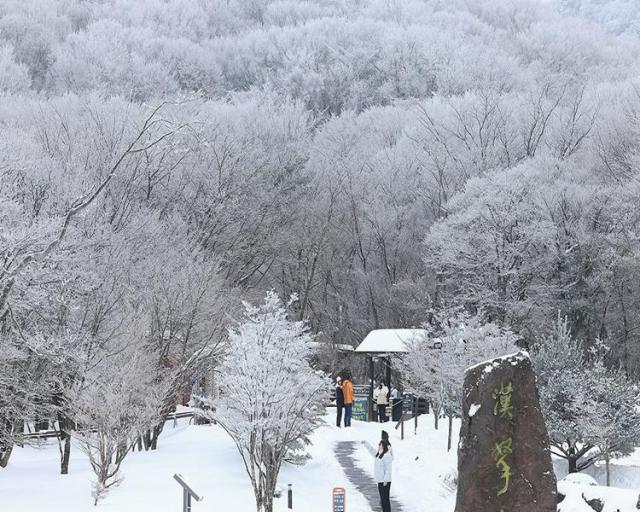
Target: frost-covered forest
{"x": 381, "y": 160}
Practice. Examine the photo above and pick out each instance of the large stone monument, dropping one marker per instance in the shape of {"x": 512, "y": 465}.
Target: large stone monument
{"x": 504, "y": 460}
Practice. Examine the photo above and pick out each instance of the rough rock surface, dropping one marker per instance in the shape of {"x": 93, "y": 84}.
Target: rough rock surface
{"x": 504, "y": 460}
{"x": 595, "y": 503}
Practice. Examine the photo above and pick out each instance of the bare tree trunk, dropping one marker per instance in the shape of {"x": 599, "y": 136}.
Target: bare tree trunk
{"x": 450, "y": 432}
{"x": 122, "y": 451}
{"x": 259, "y": 499}
{"x": 270, "y": 484}
{"x": 5, "y": 454}
{"x": 20, "y": 440}
{"x": 607, "y": 466}
{"x": 147, "y": 439}
{"x": 168, "y": 404}
{"x": 157, "y": 430}
{"x": 65, "y": 455}
{"x": 6, "y": 447}
{"x": 64, "y": 442}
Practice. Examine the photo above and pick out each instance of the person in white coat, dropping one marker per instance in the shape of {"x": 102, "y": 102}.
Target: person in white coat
{"x": 381, "y": 401}
{"x": 383, "y": 461}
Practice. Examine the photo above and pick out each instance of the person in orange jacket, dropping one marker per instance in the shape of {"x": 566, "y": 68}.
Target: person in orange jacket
{"x": 347, "y": 391}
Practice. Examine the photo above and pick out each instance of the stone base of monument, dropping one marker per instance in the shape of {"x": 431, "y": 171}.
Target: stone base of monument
{"x": 504, "y": 459}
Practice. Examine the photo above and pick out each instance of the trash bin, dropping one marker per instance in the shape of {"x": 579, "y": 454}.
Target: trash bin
{"x": 396, "y": 409}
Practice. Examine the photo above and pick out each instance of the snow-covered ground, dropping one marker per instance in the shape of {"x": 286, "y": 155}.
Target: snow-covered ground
{"x": 614, "y": 499}
{"x": 204, "y": 455}
{"x": 424, "y": 474}
{"x": 207, "y": 458}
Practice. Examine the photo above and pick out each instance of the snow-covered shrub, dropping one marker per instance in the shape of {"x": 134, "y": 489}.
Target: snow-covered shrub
{"x": 271, "y": 399}
{"x": 579, "y": 479}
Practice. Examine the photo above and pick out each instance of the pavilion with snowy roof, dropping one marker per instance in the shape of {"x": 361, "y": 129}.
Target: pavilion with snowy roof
{"x": 380, "y": 344}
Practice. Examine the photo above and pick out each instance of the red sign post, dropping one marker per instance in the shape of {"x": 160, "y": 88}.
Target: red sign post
{"x": 339, "y": 495}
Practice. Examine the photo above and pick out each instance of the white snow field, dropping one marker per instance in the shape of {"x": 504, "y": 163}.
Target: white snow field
{"x": 423, "y": 475}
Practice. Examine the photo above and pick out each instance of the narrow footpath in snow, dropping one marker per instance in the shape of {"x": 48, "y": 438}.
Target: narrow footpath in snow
{"x": 344, "y": 451}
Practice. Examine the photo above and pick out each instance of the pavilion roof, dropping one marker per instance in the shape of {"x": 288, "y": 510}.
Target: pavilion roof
{"x": 389, "y": 340}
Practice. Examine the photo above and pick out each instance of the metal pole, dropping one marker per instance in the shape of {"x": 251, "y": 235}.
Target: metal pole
{"x": 290, "y": 498}
{"x": 187, "y": 493}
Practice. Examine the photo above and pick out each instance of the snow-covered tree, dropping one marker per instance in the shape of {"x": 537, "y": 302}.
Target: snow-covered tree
{"x": 111, "y": 409}
{"x": 434, "y": 366}
{"x": 271, "y": 399}
{"x": 14, "y": 77}
{"x": 43, "y": 249}
{"x": 591, "y": 411}
{"x": 562, "y": 376}
{"x": 320, "y": 144}
{"x": 612, "y": 410}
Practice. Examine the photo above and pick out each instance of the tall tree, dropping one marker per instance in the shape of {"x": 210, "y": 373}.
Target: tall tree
{"x": 271, "y": 399}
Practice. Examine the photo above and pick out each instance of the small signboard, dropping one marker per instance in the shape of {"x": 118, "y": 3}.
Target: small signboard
{"x": 361, "y": 389}
{"x": 338, "y": 499}
{"x": 360, "y": 409}
{"x": 407, "y": 402}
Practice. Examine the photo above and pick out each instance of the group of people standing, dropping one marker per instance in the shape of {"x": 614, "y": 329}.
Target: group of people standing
{"x": 383, "y": 456}
{"x": 344, "y": 399}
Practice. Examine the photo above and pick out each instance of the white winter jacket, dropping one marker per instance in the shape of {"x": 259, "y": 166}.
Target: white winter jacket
{"x": 381, "y": 397}
{"x": 381, "y": 466}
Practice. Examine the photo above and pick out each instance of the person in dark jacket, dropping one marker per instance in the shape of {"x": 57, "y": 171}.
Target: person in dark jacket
{"x": 339, "y": 401}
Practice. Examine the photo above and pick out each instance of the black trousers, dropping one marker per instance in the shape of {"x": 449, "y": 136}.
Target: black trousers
{"x": 384, "y": 491}
{"x": 382, "y": 413}
{"x": 339, "y": 408}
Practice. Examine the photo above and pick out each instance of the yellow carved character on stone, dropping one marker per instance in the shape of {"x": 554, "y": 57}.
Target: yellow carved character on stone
{"x": 501, "y": 451}
{"x": 502, "y": 397}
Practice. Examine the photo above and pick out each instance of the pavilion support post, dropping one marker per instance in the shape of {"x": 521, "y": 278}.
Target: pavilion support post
{"x": 388, "y": 372}
{"x": 371, "y": 376}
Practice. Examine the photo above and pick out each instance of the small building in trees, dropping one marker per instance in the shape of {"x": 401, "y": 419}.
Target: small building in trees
{"x": 380, "y": 345}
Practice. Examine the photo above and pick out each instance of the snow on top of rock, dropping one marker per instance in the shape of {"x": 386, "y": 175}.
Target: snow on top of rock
{"x": 390, "y": 340}
{"x": 490, "y": 364}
